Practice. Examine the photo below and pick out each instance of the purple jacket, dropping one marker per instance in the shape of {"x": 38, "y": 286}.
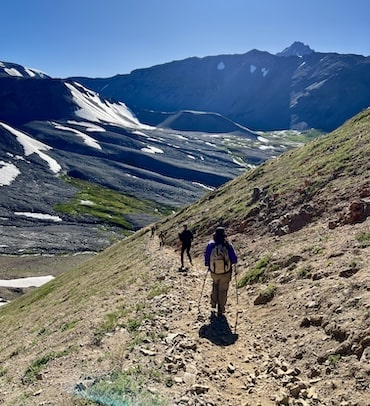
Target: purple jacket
{"x": 232, "y": 255}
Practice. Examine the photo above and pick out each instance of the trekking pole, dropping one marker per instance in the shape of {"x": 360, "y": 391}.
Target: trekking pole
{"x": 237, "y": 297}
{"x": 201, "y": 293}
{"x": 236, "y": 284}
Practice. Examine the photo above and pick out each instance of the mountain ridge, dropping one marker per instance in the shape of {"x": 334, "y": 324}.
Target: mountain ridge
{"x": 313, "y": 90}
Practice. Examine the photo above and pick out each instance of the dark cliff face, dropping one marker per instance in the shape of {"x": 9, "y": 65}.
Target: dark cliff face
{"x": 27, "y": 99}
{"x": 327, "y": 89}
{"x": 258, "y": 90}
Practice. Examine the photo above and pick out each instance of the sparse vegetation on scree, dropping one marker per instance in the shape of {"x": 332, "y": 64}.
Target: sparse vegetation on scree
{"x": 126, "y": 328}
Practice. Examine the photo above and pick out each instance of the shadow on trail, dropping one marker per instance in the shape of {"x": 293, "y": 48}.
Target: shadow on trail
{"x": 218, "y": 331}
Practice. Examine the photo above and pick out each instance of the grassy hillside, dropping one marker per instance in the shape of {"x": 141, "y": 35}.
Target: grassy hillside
{"x": 126, "y": 327}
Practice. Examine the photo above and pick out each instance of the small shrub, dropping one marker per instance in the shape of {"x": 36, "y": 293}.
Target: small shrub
{"x": 133, "y": 325}
{"x": 334, "y": 359}
{"x": 265, "y": 295}
{"x": 255, "y": 274}
{"x": 110, "y": 323}
{"x": 157, "y": 290}
{"x": 69, "y": 326}
{"x": 3, "y": 371}
{"x": 36, "y": 366}
{"x": 305, "y": 273}
{"x": 363, "y": 239}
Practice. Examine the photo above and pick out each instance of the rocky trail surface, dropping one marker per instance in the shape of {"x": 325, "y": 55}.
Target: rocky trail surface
{"x": 250, "y": 357}
{"x": 274, "y": 354}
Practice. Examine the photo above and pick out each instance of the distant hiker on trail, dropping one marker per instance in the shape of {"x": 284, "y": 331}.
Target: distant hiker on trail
{"x": 186, "y": 238}
{"x": 152, "y": 231}
{"x": 219, "y": 257}
{"x": 162, "y": 237}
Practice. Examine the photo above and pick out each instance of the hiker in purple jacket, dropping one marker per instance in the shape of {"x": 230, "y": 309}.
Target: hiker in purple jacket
{"x": 219, "y": 257}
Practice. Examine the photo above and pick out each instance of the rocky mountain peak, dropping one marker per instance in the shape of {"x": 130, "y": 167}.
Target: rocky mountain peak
{"x": 296, "y": 49}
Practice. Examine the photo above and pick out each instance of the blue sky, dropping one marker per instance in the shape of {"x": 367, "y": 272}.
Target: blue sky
{"x": 101, "y": 38}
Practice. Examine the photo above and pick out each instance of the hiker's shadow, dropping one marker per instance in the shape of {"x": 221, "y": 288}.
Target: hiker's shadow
{"x": 218, "y": 331}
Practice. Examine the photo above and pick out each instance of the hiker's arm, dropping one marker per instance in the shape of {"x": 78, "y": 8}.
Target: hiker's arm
{"x": 232, "y": 255}
{"x": 207, "y": 254}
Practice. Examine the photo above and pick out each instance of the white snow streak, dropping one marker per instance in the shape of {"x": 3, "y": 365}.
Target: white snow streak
{"x": 91, "y": 142}
{"x": 262, "y": 139}
{"x": 238, "y": 162}
{"x": 32, "y": 146}
{"x": 152, "y": 150}
{"x": 89, "y": 126}
{"x": 203, "y": 186}
{"x": 31, "y": 73}
{"x": 40, "y": 216}
{"x": 265, "y": 71}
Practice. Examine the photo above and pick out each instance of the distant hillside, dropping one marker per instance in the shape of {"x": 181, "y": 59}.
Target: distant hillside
{"x": 65, "y": 152}
{"x": 127, "y": 328}
{"x": 204, "y": 122}
{"x": 295, "y": 89}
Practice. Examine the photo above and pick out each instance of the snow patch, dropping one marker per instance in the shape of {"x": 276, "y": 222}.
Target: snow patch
{"x": 89, "y": 126}
{"x": 13, "y": 72}
{"x": 221, "y": 66}
{"x": 33, "y": 281}
{"x": 239, "y": 162}
{"x": 8, "y": 173}
{"x": 140, "y": 133}
{"x": 252, "y": 68}
{"x": 266, "y": 147}
{"x": 32, "y": 146}
{"x": 91, "y": 142}
{"x": 40, "y": 216}
{"x": 31, "y": 73}
{"x": 93, "y": 108}
{"x": 262, "y": 139}
{"x": 264, "y": 71}
{"x": 87, "y": 203}
{"x": 203, "y": 186}
{"x": 152, "y": 150}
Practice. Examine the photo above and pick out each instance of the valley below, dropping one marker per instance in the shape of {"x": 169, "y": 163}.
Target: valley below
{"x": 18, "y": 267}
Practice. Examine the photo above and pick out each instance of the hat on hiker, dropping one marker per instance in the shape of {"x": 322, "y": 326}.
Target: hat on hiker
{"x": 220, "y": 231}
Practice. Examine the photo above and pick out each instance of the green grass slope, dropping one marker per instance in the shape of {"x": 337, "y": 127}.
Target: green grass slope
{"x": 124, "y": 327}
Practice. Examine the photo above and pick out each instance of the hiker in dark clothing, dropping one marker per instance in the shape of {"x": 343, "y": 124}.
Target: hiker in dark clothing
{"x": 220, "y": 273}
{"x": 162, "y": 237}
{"x": 186, "y": 238}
